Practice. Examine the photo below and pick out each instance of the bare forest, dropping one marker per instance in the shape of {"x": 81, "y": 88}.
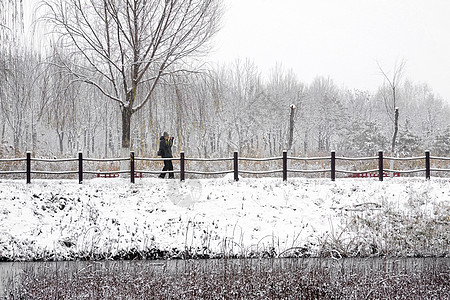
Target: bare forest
{"x": 104, "y": 77}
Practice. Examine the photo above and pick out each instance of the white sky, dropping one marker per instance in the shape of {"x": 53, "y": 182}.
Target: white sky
{"x": 342, "y": 39}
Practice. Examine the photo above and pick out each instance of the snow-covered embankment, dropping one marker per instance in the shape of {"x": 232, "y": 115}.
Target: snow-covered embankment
{"x": 111, "y": 218}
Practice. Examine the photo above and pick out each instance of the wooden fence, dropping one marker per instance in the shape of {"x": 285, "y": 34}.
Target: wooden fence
{"x": 381, "y": 171}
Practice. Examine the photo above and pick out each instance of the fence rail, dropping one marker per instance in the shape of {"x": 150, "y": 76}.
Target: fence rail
{"x": 380, "y": 171}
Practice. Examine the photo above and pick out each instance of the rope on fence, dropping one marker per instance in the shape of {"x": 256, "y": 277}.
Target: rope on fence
{"x": 106, "y": 159}
{"x": 260, "y": 172}
{"x": 12, "y": 172}
{"x": 107, "y": 172}
{"x": 157, "y": 172}
{"x": 54, "y": 172}
{"x": 309, "y": 171}
{"x": 260, "y": 159}
{"x": 54, "y": 160}
{"x": 442, "y": 170}
{"x": 439, "y": 158}
{"x": 209, "y": 159}
{"x": 356, "y": 159}
{"x": 357, "y": 172}
{"x": 404, "y": 171}
{"x": 12, "y": 159}
{"x": 404, "y": 158}
{"x": 309, "y": 158}
{"x": 209, "y": 173}
{"x": 155, "y": 159}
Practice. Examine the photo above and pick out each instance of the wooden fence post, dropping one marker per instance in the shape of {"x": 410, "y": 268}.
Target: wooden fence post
{"x": 380, "y": 165}
{"x": 236, "y": 166}
{"x": 28, "y": 167}
{"x": 427, "y": 164}
{"x": 80, "y": 167}
{"x": 333, "y": 165}
{"x": 132, "y": 166}
{"x": 182, "y": 166}
{"x": 284, "y": 165}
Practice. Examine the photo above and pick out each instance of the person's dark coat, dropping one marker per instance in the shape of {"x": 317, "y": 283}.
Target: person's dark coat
{"x": 165, "y": 150}
{"x": 165, "y": 147}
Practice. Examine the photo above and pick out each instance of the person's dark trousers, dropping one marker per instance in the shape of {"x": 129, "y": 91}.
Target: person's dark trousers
{"x": 168, "y": 166}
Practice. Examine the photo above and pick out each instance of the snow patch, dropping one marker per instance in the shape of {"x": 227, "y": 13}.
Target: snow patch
{"x": 57, "y": 219}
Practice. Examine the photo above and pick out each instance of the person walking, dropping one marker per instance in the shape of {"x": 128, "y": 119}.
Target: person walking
{"x": 165, "y": 151}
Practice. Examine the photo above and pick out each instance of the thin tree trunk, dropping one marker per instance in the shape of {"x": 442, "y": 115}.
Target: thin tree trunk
{"x": 305, "y": 143}
{"x": 3, "y": 131}
{"x": 93, "y": 143}
{"x": 61, "y": 141}
{"x": 291, "y": 127}
{"x": 106, "y": 130}
{"x": 394, "y": 137}
{"x": 16, "y": 144}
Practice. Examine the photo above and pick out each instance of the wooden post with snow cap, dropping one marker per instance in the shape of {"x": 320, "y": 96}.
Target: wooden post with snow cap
{"x": 236, "y": 166}
{"x": 28, "y": 167}
{"x": 80, "y": 167}
{"x": 182, "y": 166}
{"x": 333, "y": 166}
{"x": 427, "y": 164}
{"x": 380, "y": 165}
{"x": 285, "y": 165}
{"x": 132, "y": 166}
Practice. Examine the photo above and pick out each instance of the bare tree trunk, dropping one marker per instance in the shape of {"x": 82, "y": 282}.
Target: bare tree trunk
{"x": 394, "y": 137}
{"x": 126, "y": 128}
{"x": 126, "y": 136}
{"x": 16, "y": 144}
{"x": 70, "y": 143}
{"x": 305, "y": 143}
{"x": 34, "y": 138}
{"x": 93, "y": 143}
{"x": 3, "y": 131}
{"x": 61, "y": 141}
{"x": 291, "y": 126}
{"x": 111, "y": 142}
{"x": 106, "y": 142}
{"x": 280, "y": 143}
{"x": 106, "y": 130}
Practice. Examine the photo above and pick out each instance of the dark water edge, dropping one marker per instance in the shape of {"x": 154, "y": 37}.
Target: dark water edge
{"x": 317, "y": 271}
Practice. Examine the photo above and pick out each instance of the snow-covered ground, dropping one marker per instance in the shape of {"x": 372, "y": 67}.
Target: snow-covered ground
{"x": 107, "y": 218}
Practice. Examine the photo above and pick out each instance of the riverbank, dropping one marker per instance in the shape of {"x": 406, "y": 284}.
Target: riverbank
{"x": 153, "y": 219}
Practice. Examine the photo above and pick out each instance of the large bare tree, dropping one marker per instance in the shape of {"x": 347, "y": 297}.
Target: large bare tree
{"x": 390, "y": 96}
{"x": 125, "y": 48}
